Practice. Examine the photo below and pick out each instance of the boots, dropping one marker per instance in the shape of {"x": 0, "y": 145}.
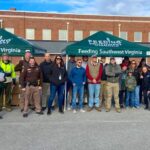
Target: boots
{"x": 49, "y": 111}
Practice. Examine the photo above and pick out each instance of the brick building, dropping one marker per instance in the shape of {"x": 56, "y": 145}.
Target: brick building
{"x": 66, "y": 28}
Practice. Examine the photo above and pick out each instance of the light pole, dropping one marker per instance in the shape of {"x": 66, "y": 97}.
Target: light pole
{"x": 119, "y": 26}
{"x": 1, "y": 21}
{"x": 67, "y": 32}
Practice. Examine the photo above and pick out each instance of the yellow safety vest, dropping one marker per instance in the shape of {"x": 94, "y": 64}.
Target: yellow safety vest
{"x": 8, "y": 69}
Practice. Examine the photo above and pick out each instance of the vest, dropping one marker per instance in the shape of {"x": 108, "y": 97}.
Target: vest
{"x": 93, "y": 70}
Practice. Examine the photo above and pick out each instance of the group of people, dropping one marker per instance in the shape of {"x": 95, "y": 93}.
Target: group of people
{"x": 86, "y": 80}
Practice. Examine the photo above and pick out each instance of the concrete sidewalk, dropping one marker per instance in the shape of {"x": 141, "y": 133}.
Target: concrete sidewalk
{"x": 129, "y": 130}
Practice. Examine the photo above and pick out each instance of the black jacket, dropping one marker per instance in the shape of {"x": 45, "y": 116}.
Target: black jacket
{"x": 146, "y": 81}
{"x": 45, "y": 68}
{"x": 57, "y": 75}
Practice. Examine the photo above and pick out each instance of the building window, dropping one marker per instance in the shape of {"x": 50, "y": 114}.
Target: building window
{"x": 124, "y": 35}
{"x": 78, "y": 35}
{"x": 110, "y": 32}
{"x": 11, "y": 30}
{"x": 46, "y": 34}
{"x": 30, "y": 34}
{"x": 137, "y": 36}
{"x": 63, "y": 35}
{"x": 93, "y": 32}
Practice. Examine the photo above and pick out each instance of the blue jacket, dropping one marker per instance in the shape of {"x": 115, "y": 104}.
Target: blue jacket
{"x": 78, "y": 75}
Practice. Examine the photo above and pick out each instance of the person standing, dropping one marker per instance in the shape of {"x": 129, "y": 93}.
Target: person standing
{"x": 136, "y": 73}
{"x": 94, "y": 73}
{"x": 45, "y": 68}
{"x": 103, "y": 82}
{"x": 78, "y": 78}
{"x": 130, "y": 84}
{"x": 112, "y": 87}
{"x": 2, "y": 85}
{"x": 19, "y": 68}
{"x": 122, "y": 85}
{"x": 31, "y": 83}
{"x": 57, "y": 78}
{"x": 86, "y": 93}
{"x": 145, "y": 76}
{"x": 10, "y": 82}
{"x": 71, "y": 65}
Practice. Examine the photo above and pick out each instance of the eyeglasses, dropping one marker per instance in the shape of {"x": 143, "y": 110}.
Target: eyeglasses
{"x": 79, "y": 62}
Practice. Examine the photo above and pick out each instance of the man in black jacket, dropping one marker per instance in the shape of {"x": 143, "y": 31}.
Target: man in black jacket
{"x": 19, "y": 68}
{"x": 45, "y": 68}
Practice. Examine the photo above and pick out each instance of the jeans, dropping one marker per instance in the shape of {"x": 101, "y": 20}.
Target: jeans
{"x": 122, "y": 96}
{"x": 60, "y": 92}
{"x": 78, "y": 89}
{"x": 137, "y": 96}
{"x": 94, "y": 92}
{"x": 130, "y": 96}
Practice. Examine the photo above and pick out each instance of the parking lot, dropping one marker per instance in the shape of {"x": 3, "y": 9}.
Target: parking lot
{"x": 129, "y": 130}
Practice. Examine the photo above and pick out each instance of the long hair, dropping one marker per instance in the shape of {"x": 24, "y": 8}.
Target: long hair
{"x": 62, "y": 61}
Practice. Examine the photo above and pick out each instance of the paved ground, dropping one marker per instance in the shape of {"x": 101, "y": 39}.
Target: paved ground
{"x": 129, "y": 130}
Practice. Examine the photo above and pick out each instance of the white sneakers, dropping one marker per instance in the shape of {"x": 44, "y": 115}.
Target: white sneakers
{"x": 74, "y": 111}
{"x": 81, "y": 110}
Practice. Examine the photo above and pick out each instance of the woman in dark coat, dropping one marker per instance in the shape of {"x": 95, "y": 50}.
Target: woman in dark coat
{"x": 145, "y": 76}
{"x": 57, "y": 78}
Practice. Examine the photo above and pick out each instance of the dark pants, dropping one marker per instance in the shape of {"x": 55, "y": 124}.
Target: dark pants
{"x": 141, "y": 91}
{"x": 122, "y": 96}
{"x": 8, "y": 93}
{"x": 60, "y": 92}
{"x": 69, "y": 90}
{"x": 145, "y": 98}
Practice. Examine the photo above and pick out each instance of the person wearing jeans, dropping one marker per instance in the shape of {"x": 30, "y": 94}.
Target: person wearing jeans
{"x": 94, "y": 73}
{"x": 130, "y": 88}
{"x": 145, "y": 76}
{"x": 57, "y": 78}
{"x": 136, "y": 74}
{"x": 78, "y": 78}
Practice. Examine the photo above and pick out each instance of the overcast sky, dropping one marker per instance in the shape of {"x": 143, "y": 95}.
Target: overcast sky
{"x": 99, "y": 7}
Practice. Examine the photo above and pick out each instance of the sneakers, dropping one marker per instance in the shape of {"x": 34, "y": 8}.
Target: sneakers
{"x": 40, "y": 113}
{"x": 82, "y": 110}
{"x": 74, "y": 111}
{"x": 98, "y": 108}
{"x": 25, "y": 115}
{"x": 107, "y": 110}
{"x": 9, "y": 109}
{"x": 1, "y": 117}
{"x": 69, "y": 108}
{"x": 118, "y": 110}
{"x": 89, "y": 109}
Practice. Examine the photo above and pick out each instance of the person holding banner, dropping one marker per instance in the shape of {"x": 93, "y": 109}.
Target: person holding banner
{"x": 10, "y": 82}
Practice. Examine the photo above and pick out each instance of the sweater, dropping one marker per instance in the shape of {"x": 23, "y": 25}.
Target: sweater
{"x": 78, "y": 75}
{"x": 94, "y": 72}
